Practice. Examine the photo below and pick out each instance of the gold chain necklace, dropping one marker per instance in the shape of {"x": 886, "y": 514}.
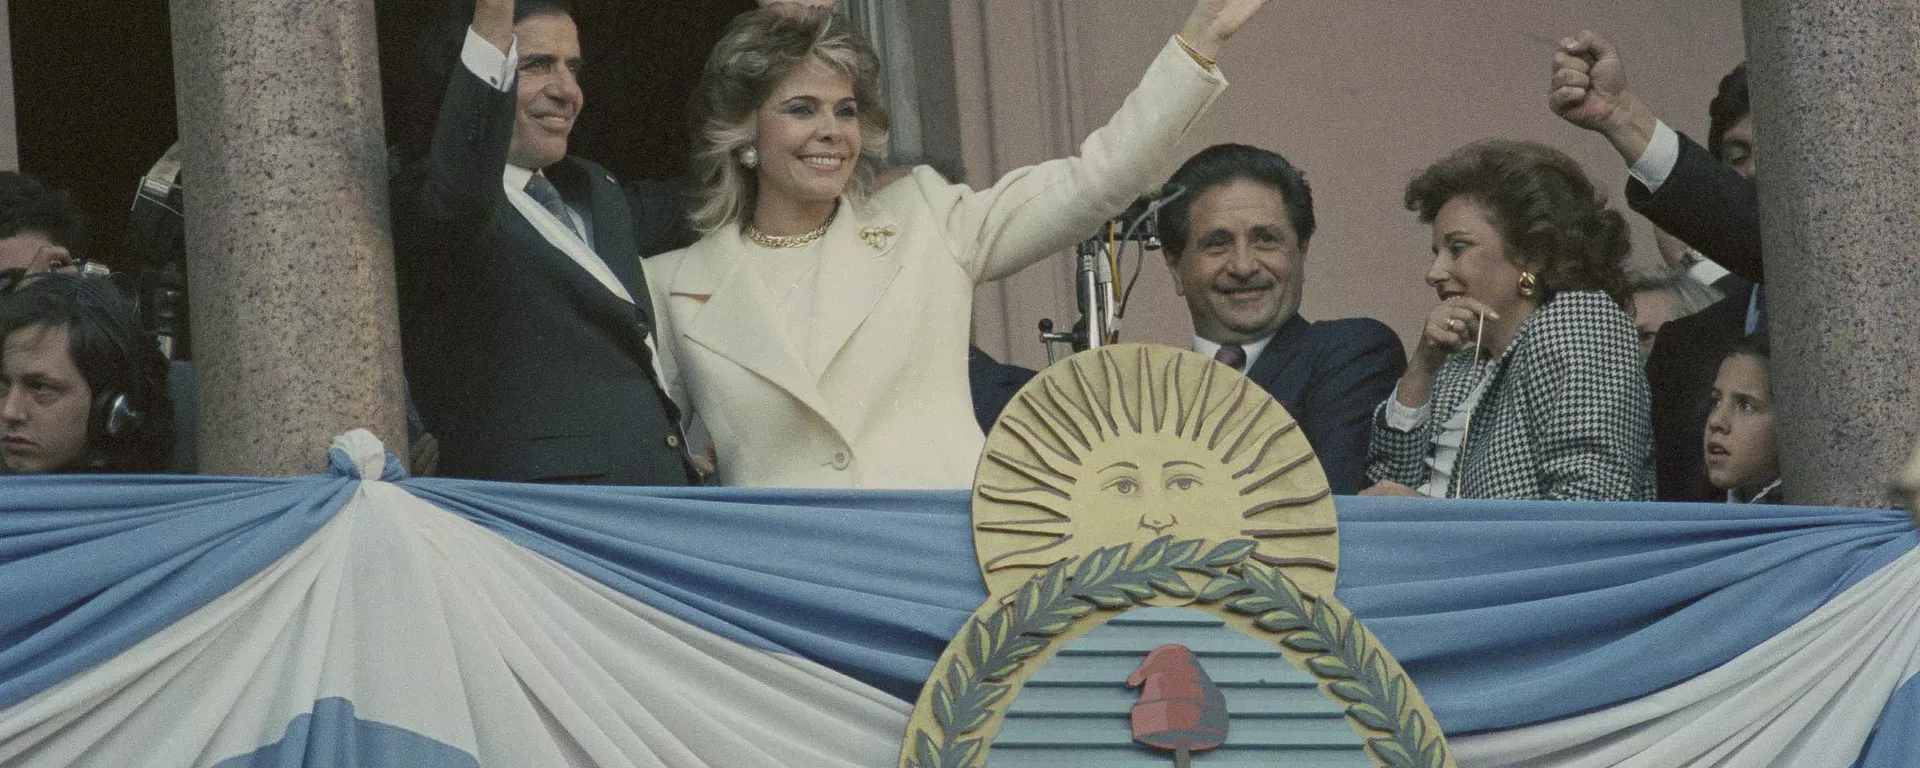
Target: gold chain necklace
{"x": 765, "y": 240}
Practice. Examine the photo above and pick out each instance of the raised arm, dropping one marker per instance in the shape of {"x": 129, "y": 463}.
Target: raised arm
{"x": 1043, "y": 209}
{"x": 493, "y": 22}
{"x": 1589, "y": 89}
{"x": 1213, "y": 22}
{"x": 454, "y": 192}
{"x": 1706, "y": 204}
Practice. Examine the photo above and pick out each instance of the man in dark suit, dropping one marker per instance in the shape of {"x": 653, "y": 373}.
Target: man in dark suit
{"x": 1708, "y": 199}
{"x": 994, "y": 384}
{"x": 524, "y": 312}
{"x": 1236, "y": 239}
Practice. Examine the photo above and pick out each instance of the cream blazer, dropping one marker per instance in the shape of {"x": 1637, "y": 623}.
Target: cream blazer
{"x": 890, "y": 407}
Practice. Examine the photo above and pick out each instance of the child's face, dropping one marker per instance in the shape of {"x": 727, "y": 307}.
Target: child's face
{"x": 1739, "y": 439}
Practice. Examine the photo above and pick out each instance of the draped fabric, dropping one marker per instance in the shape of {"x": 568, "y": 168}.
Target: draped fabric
{"x": 342, "y": 621}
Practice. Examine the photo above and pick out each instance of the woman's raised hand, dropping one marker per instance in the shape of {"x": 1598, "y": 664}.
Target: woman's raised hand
{"x": 1213, "y": 21}
{"x": 1452, "y": 325}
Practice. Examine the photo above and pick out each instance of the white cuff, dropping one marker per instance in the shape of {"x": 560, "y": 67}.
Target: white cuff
{"x": 1401, "y": 418}
{"x": 1705, "y": 271}
{"x": 1655, "y": 164}
{"x": 488, "y": 63}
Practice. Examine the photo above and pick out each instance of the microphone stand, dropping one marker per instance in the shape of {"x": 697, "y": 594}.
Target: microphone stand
{"x": 1093, "y": 294}
{"x": 1094, "y": 266}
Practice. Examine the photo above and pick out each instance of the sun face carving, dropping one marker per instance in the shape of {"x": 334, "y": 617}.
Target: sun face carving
{"x": 1133, "y": 442}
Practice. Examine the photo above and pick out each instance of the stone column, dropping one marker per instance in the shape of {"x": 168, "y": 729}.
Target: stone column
{"x": 1836, "y": 95}
{"x": 290, "y": 258}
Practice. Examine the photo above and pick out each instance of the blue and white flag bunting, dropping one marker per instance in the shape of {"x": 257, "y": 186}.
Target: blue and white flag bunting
{"x": 335, "y": 621}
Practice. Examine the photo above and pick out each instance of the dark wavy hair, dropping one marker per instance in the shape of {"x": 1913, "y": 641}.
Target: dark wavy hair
{"x": 1729, "y": 104}
{"x": 760, "y": 48}
{"x": 1223, "y": 164}
{"x": 1552, "y": 220}
{"x": 27, "y": 205}
{"x": 111, "y": 350}
{"x": 1756, "y": 346}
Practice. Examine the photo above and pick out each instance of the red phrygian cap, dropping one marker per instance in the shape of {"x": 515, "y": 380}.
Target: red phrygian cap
{"x": 1179, "y": 705}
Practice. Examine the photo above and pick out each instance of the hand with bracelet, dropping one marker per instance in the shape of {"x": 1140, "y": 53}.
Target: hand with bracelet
{"x": 1210, "y": 24}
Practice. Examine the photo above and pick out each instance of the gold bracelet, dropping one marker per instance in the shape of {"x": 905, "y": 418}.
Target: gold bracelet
{"x": 1198, "y": 58}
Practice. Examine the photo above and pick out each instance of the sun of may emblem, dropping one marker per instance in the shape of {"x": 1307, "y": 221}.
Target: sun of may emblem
{"x": 1141, "y": 442}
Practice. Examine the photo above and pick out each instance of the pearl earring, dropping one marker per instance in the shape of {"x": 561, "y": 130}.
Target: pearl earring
{"x": 750, "y": 157}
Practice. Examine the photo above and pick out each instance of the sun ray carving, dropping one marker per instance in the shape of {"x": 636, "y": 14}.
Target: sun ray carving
{"x": 1058, "y": 485}
{"x": 1049, "y": 433}
{"x": 1068, "y": 415}
{"x": 1294, "y": 501}
{"x": 1190, "y": 425}
{"x": 1103, "y": 424}
{"x": 1035, "y": 557}
{"x": 1149, "y": 404}
{"x": 1132, "y": 442}
{"x": 1042, "y": 500}
{"x": 1266, "y": 447}
{"x": 1247, "y": 430}
{"x": 1277, "y": 473}
{"x": 1056, "y": 460}
{"x": 1289, "y": 562}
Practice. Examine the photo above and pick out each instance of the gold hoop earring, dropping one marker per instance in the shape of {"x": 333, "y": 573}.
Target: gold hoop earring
{"x": 1529, "y": 285}
{"x": 750, "y": 157}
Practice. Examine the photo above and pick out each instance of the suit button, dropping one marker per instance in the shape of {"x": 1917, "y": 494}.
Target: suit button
{"x": 673, "y": 441}
{"x": 840, "y": 460}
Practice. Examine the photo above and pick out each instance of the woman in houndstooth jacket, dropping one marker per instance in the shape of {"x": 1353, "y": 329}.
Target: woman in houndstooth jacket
{"x": 1526, "y": 382}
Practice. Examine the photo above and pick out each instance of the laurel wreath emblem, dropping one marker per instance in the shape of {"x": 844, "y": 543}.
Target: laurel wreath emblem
{"x": 993, "y": 649}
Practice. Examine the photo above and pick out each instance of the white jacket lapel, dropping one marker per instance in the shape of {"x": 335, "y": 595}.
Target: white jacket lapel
{"x": 736, "y": 319}
{"x": 856, "y": 266}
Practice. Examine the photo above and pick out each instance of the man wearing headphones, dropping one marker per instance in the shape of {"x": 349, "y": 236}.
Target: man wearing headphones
{"x": 82, "y": 387}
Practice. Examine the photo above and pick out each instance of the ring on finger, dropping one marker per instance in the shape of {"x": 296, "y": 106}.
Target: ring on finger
{"x": 1454, "y": 324}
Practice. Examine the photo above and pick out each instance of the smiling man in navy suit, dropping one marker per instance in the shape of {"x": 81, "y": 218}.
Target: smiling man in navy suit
{"x": 1236, "y": 242}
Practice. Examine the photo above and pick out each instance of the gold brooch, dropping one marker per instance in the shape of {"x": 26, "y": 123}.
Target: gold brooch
{"x": 876, "y": 237}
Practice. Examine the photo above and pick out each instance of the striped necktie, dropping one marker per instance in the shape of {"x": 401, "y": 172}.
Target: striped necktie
{"x": 544, "y": 193}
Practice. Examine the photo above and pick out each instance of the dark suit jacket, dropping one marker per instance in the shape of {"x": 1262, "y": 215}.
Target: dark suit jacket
{"x": 994, "y": 384}
{"x": 659, "y": 209}
{"x": 1708, "y": 206}
{"x": 1686, "y": 358}
{"x": 1717, "y": 211}
{"x": 523, "y": 365}
{"x": 1330, "y": 375}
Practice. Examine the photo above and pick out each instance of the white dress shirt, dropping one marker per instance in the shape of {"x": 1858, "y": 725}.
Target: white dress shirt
{"x": 1448, "y": 442}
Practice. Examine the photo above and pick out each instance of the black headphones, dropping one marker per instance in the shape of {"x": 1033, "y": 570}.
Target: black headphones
{"x": 114, "y": 413}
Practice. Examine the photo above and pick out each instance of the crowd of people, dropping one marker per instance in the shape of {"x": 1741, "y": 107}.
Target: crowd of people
{"x": 559, "y": 326}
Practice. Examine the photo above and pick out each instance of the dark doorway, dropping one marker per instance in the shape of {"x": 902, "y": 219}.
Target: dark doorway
{"x": 94, "y": 89}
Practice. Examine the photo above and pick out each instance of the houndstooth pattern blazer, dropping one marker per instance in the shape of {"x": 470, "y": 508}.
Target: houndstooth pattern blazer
{"x": 1565, "y": 416}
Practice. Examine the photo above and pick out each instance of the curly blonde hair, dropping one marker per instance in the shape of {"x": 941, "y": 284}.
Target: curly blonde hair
{"x": 758, "y": 51}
